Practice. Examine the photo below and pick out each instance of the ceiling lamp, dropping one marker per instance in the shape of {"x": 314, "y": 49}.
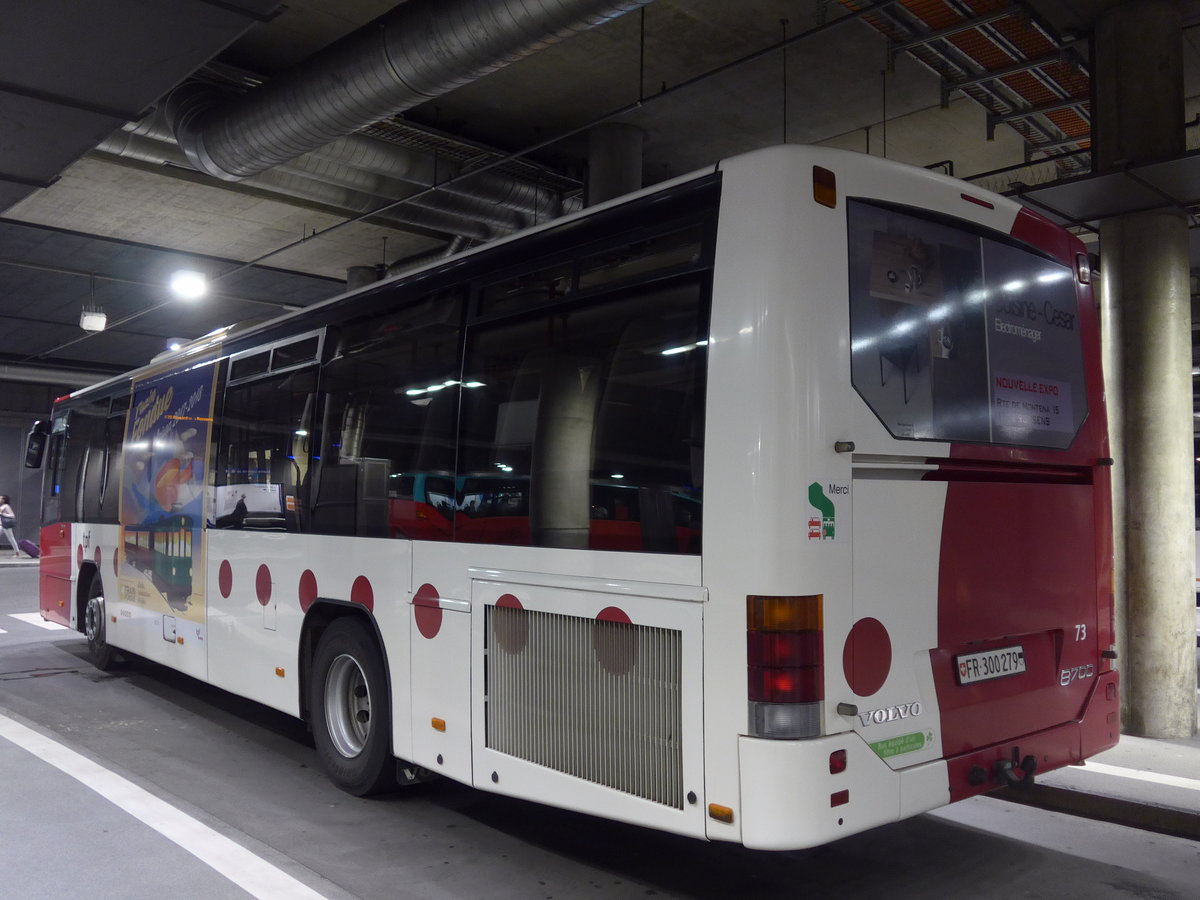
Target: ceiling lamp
{"x": 189, "y": 285}
{"x": 92, "y": 318}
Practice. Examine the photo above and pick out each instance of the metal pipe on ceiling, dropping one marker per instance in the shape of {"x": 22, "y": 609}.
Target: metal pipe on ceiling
{"x": 418, "y": 51}
{"x": 46, "y": 375}
{"x": 367, "y": 166}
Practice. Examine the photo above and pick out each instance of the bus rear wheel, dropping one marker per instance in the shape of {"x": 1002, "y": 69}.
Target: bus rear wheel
{"x": 94, "y": 626}
{"x": 350, "y": 709}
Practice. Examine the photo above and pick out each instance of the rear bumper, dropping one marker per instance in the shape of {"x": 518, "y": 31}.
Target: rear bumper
{"x": 1097, "y": 729}
{"x": 790, "y": 799}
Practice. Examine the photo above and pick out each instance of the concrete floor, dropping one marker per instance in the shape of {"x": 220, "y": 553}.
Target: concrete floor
{"x": 229, "y": 770}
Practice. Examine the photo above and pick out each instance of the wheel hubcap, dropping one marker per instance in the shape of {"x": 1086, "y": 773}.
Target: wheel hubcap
{"x": 347, "y": 706}
{"x": 94, "y": 619}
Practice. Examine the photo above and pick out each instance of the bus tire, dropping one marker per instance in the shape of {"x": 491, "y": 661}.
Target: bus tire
{"x": 350, "y": 710}
{"x": 94, "y": 626}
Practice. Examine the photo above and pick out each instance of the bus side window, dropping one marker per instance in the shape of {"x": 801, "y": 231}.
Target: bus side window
{"x": 87, "y": 428}
{"x": 585, "y": 431}
{"x": 114, "y": 439}
{"x": 390, "y": 406}
{"x": 263, "y": 456}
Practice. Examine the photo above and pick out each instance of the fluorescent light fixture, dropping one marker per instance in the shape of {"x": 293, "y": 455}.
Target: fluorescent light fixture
{"x": 189, "y": 285}
{"x": 92, "y": 320}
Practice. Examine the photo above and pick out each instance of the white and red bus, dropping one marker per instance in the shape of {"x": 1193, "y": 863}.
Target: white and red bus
{"x": 766, "y": 505}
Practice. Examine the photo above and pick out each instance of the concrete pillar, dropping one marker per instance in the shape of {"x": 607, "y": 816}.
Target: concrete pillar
{"x": 1112, "y": 359}
{"x": 1138, "y": 118}
{"x": 614, "y": 161}
{"x": 560, "y": 470}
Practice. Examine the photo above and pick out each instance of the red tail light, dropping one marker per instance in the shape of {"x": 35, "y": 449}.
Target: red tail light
{"x": 785, "y": 665}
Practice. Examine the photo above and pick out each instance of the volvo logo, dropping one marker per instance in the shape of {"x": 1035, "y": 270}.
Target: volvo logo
{"x": 890, "y": 713}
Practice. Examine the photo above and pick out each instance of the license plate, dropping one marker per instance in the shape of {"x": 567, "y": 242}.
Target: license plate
{"x": 998, "y": 663}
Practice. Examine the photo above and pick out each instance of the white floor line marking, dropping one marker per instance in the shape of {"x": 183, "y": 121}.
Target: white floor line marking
{"x": 251, "y": 873}
{"x": 1190, "y": 784}
{"x": 36, "y": 619}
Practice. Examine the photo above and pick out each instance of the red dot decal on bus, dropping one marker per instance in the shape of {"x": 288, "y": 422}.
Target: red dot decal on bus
{"x": 510, "y": 624}
{"x": 225, "y": 579}
{"x": 308, "y": 589}
{"x": 615, "y": 640}
{"x": 427, "y": 611}
{"x": 867, "y": 657}
{"x": 262, "y": 585}
{"x": 362, "y": 593}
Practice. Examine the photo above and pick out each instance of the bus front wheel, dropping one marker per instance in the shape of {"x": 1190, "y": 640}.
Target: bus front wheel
{"x": 351, "y": 720}
{"x": 94, "y": 627}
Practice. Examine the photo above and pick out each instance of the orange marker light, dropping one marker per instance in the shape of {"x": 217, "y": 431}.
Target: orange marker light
{"x": 280, "y": 671}
{"x": 720, "y": 813}
{"x": 438, "y": 724}
{"x": 824, "y": 187}
{"x": 180, "y": 640}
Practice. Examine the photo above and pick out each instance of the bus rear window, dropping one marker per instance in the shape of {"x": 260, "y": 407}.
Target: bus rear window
{"x": 956, "y": 336}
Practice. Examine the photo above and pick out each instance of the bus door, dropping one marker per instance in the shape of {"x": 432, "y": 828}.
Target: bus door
{"x": 55, "y": 571}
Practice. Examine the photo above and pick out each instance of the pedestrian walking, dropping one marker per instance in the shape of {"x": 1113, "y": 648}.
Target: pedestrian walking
{"x": 8, "y": 521}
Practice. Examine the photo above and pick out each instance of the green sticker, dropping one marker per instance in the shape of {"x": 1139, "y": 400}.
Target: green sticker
{"x": 905, "y": 743}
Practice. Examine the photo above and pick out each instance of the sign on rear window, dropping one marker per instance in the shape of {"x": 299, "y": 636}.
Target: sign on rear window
{"x": 960, "y": 337}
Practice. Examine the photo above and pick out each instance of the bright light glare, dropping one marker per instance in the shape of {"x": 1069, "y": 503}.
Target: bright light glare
{"x": 977, "y": 296}
{"x": 1014, "y": 286}
{"x": 684, "y": 349}
{"x": 175, "y": 345}
{"x": 417, "y": 392}
{"x": 1051, "y": 277}
{"x": 939, "y": 312}
{"x": 189, "y": 285}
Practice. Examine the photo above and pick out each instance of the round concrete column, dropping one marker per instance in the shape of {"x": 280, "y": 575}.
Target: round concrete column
{"x": 614, "y": 161}
{"x": 1144, "y": 256}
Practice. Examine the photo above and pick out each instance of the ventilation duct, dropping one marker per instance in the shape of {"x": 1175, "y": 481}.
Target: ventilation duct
{"x": 295, "y": 183}
{"x": 419, "y": 51}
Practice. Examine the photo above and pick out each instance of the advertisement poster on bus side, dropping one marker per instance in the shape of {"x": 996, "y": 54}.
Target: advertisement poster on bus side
{"x": 162, "y": 493}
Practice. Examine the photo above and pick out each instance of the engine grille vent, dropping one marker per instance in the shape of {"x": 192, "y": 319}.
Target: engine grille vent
{"x": 597, "y": 699}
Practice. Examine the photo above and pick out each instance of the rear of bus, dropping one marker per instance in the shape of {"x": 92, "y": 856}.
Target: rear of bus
{"x": 905, "y": 394}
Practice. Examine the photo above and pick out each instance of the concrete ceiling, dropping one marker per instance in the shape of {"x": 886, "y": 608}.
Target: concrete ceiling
{"x": 699, "y": 77}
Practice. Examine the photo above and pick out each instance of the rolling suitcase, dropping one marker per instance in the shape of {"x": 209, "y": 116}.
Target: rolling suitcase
{"x": 29, "y": 547}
